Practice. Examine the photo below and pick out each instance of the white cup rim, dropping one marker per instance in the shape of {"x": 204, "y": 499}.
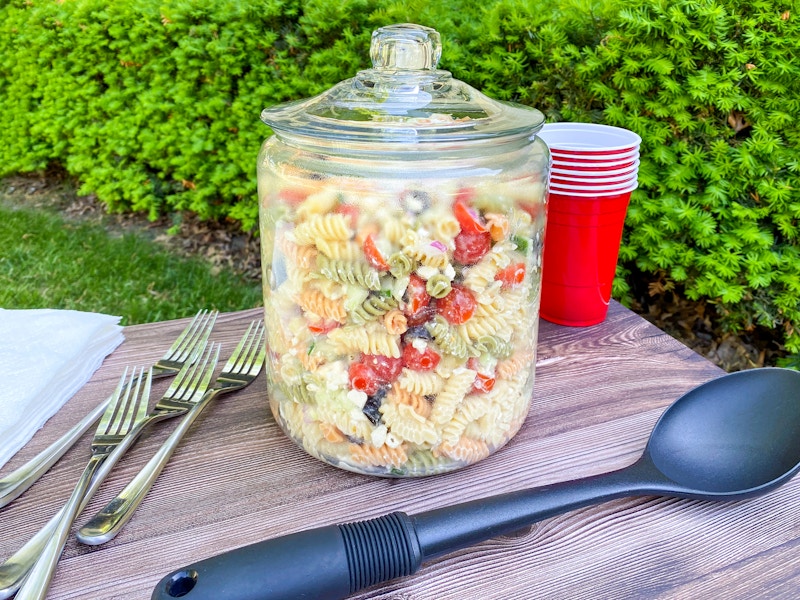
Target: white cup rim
{"x": 568, "y": 164}
{"x": 593, "y": 183}
{"x": 588, "y": 137}
{"x": 591, "y": 194}
{"x": 560, "y": 172}
{"x": 585, "y": 157}
{"x": 593, "y": 188}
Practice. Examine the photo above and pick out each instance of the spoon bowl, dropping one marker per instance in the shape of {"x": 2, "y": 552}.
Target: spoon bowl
{"x": 731, "y": 438}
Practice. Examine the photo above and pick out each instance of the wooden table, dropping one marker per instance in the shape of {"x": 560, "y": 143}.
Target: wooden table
{"x": 236, "y": 479}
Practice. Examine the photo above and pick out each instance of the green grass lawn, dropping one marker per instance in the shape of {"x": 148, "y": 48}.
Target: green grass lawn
{"x": 49, "y": 262}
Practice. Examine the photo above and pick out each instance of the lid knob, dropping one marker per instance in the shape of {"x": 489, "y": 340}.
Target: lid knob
{"x": 406, "y": 47}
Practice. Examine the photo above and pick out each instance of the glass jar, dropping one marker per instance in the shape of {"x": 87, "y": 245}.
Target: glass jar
{"x": 402, "y": 220}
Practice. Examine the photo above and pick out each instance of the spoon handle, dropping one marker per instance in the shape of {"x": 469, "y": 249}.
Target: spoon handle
{"x": 333, "y": 562}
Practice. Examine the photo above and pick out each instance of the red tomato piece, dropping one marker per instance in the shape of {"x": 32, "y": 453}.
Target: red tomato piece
{"x": 471, "y": 247}
{"x": 349, "y": 211}
{"x": 465, "y": 194}
{"x": 468, "y": 218}
{"x": 373, "y": 255}
{"x": 420, "y": 361}
{"x": 416, "y": 295}
{"x": 458, "y": 306}
{"x": 483, "y": 383}
{"x": 293, "y": 195}
{"x": 363, "y": 378}
{"x": 512, "y": 275}
{"x": 386, "y": 368}
{"x": 323, "y": 326}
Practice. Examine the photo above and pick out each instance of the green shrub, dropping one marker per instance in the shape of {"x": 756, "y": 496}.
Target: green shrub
{"x": 154, "y": 107}
{"x": 713, "y": 88}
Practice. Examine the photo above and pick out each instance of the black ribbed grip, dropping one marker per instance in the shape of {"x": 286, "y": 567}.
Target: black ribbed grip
{"x": 380, "y": 549}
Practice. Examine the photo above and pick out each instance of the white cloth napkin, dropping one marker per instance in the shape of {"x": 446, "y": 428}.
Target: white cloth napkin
{"x": 46, "y": 356}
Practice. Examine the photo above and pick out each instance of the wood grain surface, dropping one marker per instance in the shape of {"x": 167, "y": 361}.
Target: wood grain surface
{"x": 237, "y": 479}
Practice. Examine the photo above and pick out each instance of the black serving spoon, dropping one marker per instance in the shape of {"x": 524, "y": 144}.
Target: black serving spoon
{"x": 731, "y": 438}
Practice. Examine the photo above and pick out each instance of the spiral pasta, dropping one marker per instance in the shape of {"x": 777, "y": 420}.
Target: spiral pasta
{"x": 378, "y": 456}
{"x": 408, "y": 425}
{"x": 373, "y": 307}
{"x": 333, "y": 226}
{"x": 420, "y": 382}
{"x": 448, "y": 339}
{"x": 349, "y": 271}
{"x": 314, "y": 301}
{"x": 373, "y": 365}
{"x": 368, "y": 339}
{"x": 451, "y": 395}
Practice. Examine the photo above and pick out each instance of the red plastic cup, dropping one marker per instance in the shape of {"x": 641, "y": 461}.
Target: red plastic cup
{"x": 582, "y": 238}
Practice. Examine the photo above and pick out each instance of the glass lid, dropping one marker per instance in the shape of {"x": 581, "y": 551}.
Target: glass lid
{"x": 403, "y": 97}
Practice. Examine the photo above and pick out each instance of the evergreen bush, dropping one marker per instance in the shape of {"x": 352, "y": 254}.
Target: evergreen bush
{"x": 713, "y": 88}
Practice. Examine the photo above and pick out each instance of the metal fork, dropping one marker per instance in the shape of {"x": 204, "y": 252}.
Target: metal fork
{"x": 127, "y": 406}
{"x": 189, "y": 385}
{"x": 241, "y": 369}
{"x": 195, "y": 334}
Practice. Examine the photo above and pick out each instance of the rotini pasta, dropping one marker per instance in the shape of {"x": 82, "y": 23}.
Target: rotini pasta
{"x": 451, "y": 395}
{"x": 349, "y": 271}
{"x": 423, "y": 383}
{"x": 374, "y": 306}
{"x": 382, "y": 456}
{"x": 403, "y": 421}
{"x": 395, "y": 322}
{"x": 397, "y": 345}
{"x": 368, "y": 339}
{"x": 314, "y": 301}
{"x": 333, "y": 226}
{"x": 417, "y": 402}
{"x": 448, "y": 339}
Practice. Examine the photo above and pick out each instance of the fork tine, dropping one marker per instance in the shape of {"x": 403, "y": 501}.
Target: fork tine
{"x": 240, "y": 356}
{"x": 111, "y": 410}
{"x": 231, "y": 364}
{"x": 256, "y": 348}
{"x": 195, "y": 334}
{"x": 192, "y": 376}
{"x": 188, "y": 368}
{"x": 256, "y": 365}
{"x": 137, "y": 402}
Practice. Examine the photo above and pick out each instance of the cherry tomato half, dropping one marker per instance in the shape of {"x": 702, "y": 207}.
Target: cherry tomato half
{"x": 458, "y": 306}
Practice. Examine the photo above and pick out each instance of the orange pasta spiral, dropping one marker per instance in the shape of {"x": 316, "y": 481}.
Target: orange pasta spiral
{"x": 465, "y": 450}
{"x": 380, "y": 456}
{"x": 316, "y": 302}
{"x": 418, "y": 402}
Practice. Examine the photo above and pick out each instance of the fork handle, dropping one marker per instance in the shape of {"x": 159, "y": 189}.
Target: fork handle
{"x": 108, "y": 522}
{"x": 37, "y": 583}
{"x": 17, "y": 566}
{"x": 16, "y": 482}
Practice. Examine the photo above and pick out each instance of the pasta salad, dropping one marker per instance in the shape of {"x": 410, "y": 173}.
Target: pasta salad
{"x": 402, "y": 315}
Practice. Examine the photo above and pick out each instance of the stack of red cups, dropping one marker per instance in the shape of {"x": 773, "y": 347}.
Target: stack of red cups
{"x": 594, "y": 171}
